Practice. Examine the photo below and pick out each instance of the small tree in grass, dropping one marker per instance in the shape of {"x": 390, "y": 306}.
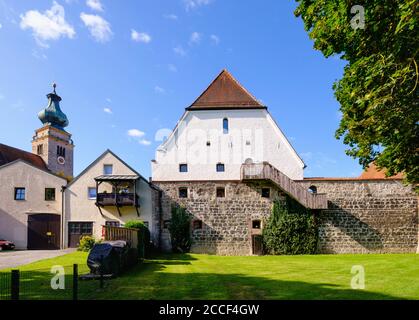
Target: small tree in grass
{"x": 180, "y": 230}
{"x": 290, "y": 230}
{"x": 143, "y": 236}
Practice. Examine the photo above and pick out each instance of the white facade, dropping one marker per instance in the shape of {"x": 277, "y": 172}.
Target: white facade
{"x": 80, "y": 208}
{"x": 14, "y": 213}
{"x": 199, "y": 140}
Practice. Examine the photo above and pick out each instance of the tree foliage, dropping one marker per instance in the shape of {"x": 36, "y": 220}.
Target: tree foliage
{"x": 290, "y": 229}
{"x": 180, "y": 233}
{"x": 144, "y": 244}
{"x": 378, "y": 92}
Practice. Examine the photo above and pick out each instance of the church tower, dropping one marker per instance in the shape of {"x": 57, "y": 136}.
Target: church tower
{"x": 51, "y": 142}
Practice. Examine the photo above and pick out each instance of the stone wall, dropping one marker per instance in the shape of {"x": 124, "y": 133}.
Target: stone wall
{"x": 367, "y": 216}
{"x": 226, "y": 222}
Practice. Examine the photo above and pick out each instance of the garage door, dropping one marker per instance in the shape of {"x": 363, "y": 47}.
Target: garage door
{"x": 76, "y": 230}
{"x": 44, "y": 231}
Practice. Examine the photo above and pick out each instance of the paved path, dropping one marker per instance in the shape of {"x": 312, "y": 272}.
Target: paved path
{"x": 12, "y": 259}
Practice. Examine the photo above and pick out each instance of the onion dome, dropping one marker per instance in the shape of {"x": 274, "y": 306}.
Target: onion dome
{"x": 52, "y": 114}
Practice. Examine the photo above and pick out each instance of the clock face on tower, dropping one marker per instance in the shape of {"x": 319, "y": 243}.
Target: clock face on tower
{"x": 61, "y": 160}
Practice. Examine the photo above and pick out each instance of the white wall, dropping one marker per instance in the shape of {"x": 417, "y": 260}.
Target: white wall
{"x": 79, "y": 208}
{"x": 252, "y": 134}
{"x": 14, "y": 213}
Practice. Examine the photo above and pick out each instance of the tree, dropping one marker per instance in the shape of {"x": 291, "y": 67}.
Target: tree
{"x": 378, "y": 92}
{"x": 179, "y": 228}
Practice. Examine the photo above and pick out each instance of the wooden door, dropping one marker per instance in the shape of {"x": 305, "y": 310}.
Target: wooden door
{"x": 257, "y": 246}
{"x": 44, "y": 231}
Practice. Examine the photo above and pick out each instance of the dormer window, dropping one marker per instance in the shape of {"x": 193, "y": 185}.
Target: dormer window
{"x": 225, "y": 125}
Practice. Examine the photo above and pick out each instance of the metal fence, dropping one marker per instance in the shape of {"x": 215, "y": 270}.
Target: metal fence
{"x": 57, "y": 283}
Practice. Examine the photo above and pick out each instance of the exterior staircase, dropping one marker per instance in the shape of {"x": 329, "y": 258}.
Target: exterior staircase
{"x": 265, "y": 171}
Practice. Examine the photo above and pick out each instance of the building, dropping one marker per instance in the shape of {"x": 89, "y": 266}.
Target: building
{"x": 226, "y": 161}
{"x": 31, "y": 183}
{"x": 109, "y": 192}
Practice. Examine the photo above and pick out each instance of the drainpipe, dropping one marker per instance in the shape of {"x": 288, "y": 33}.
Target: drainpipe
{"x": 63, "y": 188}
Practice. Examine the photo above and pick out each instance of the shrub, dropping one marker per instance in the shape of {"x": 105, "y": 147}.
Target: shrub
{"x": 180, "y": 230}
{"x": 86, "y": 243}
{"x": 144, "y": 245}
{"x": 290, "y": 230}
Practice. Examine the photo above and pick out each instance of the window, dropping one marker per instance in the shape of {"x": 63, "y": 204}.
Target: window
{"x": 256, "y": 224}
{"x": 266, "y": 192}
{"x": 112, "y": 223}
{"x": 86, "y": 228}
{"x": 80, "y": 227}
{"x": 166, "y": 224}
{"x": 197, "y": 225}
{"x": 60, "y": 152}
{"x": 40, "y": 149}
{"x": 208, "y": 143}
{"x": 312, "y": 189}
{"x": 107, "y": 169}
{"x": 225, "y": 125}
{"x": 91, "y": 191}
{"x": 49, "y": 194}
{"x": 19, "y": 193}
{"x": 183, "y": 192}
{"x": 221, "y": 192}
{"x": 220, "y": 167}
{"x": 183, "y": 167}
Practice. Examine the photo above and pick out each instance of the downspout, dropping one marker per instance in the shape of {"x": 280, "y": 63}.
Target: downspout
{"x": 63, "y": 188}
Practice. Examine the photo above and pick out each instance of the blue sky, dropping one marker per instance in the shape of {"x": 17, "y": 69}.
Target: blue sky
{"x": 124, "y": 65}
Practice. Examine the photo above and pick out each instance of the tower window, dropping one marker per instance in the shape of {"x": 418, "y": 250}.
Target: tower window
{"x": 107, "y": 169}
{"x": 60, "y": 152}
{"x": 220, "y": 167}
{"x": 49, "y": 194}
{"x": 225, "y": 125}
{"x": 183, "y": 167}
{"x": 221, "y": 192}
{"x": 40, "y": 149}
{"x": 20, "y": 194}
{"x": 256, "y": 224}
{"x": 183, "y": 192}
{"x": 266, "y": 192}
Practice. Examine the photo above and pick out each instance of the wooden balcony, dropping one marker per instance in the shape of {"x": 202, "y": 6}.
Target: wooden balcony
{"x": 265, "y": 171}
{"x": 116, "y": 199}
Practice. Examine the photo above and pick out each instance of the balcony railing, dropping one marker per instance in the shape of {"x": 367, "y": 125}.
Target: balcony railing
{"x": 117, "y": 199}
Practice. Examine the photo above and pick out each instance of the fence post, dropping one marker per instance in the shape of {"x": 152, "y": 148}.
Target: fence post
{"x": 15, "y": 284}
{"x": 75, "y": 281}
{"x": 101, "y": 272}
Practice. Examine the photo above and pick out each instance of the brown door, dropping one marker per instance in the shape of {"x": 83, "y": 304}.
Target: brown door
{"x": 76, "y": 230}
{"x": 257, "y": 247}
{"x": 44, "y": 231}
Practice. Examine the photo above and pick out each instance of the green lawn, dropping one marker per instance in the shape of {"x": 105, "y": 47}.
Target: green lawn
{"x": 195, "y": 276}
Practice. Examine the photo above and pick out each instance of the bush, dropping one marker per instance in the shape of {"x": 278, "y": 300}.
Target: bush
{"x": 180, "y": 230}
{"x": 86, "y": 243}
{"x": 144, "y": 245}
{"x": 290, "y": 230}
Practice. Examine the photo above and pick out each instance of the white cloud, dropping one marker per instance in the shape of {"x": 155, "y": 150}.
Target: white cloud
{"x": 144, "y": 142}
{"x": 108, "y": 110}
{"x": 50, "y": 25}
{"x": 39, "y": 55}
{"x": 1, "y": 26}
{"x": 140, "y": 36}
{"x": 95, "y": 5}
{"x": 138, "y": 135}
{"x": 108, "y": 100}
{"x": 171, "y": 16}
{"x": 99, "y": 28}
{"x": 193, "y": 4}
{"x": 179, "y": 51}
{"x": 172, "y": 67}
{"x": 215, "y": 39}
{"x": 158, "y": 89}
{"x": 195, "y": 38}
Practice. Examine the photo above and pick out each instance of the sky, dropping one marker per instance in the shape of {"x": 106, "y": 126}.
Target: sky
{"x": 127, "y": 69}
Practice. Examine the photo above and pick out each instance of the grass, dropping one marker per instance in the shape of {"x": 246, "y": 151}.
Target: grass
{"x": 194, "y": 276}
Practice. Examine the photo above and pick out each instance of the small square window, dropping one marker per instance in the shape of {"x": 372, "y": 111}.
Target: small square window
{"x": 197, "y": 225}
{"x": 91, "y": 193}
{"x": 256, "y": 224}
{"x": 183, "y": 192}
{"x": 266, "y": 192}
{"x": 183, "y": 167}
{"x": 49, "y": 194}
{"x": 20, "y": 193}
{"x": 208, "y": 143}
{"x": 220, "y": 167}
{"x": 107, "y": 169}
{"x": 221, "y": 192}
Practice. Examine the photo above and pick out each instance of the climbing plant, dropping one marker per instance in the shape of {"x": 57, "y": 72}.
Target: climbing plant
{"x": 179, "y": 228}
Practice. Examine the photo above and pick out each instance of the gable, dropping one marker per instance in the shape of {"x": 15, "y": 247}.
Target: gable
{"x": 9, "y": 154}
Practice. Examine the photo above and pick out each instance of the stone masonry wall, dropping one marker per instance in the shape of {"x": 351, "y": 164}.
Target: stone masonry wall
{"x": 226, "y": 222}
{"x": 367, "y": 216}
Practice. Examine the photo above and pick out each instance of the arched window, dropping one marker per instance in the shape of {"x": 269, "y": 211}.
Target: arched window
{"x": 225, "y": 125}
{"x": 312, "y": 189}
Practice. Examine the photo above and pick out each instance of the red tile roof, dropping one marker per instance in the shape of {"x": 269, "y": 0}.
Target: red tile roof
{"x": 9, "y": 154}
{"x": 225, "y": 92}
